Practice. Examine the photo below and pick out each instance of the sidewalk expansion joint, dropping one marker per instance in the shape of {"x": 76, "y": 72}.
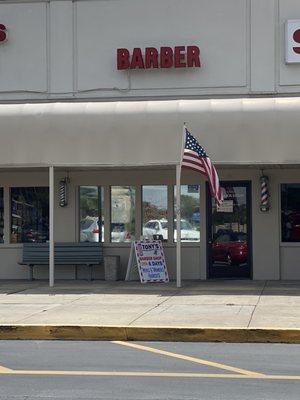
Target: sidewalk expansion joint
{"x": 258, "y": 300}
{"x": 153, "y": 308}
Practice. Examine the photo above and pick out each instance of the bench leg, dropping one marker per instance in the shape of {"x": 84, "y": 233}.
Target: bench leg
{"x": 76, "y": 272}
{"x": 90, "y": 277}
{"x": 31, "y": 272}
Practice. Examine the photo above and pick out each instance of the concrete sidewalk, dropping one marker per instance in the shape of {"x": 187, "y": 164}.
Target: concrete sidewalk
{"x": 205, "y": 304}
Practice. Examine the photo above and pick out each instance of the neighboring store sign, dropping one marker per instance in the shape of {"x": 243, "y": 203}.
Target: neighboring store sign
{"x": 226, "y": 206}
{"x": 3, "y": 33}
{"x": 292, "y": 41}
{"x": 148, "y": 256}
{"x": 165, "y": 57}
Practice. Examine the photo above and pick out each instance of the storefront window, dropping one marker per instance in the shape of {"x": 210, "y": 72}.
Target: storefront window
{"x": 155, "y": 211}
{"x": 1, "y": 216}
{"x": 91, "y": 206}
{"x": 290, "y": 212}
{"x": 29, "y": 214}
{"x": 122, "y": 224}
{"x": 190, "y": 213}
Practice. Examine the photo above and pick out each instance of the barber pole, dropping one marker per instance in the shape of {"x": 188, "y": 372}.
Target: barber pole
{"x": 265, "y": 196}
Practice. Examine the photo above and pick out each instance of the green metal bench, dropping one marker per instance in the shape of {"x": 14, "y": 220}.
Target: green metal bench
{"x": 85, "y": 253}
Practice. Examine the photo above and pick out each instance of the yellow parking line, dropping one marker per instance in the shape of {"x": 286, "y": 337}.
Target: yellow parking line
{"x": 4, "y": 370}
{"x": 148, "y": 374}
{"x": 191, "y": 359}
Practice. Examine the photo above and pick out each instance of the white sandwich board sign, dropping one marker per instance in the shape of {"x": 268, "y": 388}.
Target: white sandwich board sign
{"x": 148, "y": 257}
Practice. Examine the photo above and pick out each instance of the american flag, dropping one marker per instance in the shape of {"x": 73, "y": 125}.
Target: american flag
{"x": 195, "y": 158}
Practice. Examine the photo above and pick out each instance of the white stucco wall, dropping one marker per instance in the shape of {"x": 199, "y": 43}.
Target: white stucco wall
{"x": 67, "y": 49}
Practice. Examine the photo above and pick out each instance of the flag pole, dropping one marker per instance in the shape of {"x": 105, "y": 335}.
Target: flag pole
{"x": 178, "y": 213}
{"x": 178, "y": 233}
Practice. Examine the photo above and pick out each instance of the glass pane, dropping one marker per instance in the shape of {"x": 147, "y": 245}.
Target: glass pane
{"x": 155, "y": 211}
{"x": 290, "y": 212}
{"x": 190, "y": 213}
{"x": 122, "y": 226}
{"x": 91, "y": 205}
{"x": 1, "y": 216}
{"x": 29, "y": 214}
{"x": 230, "y": 232}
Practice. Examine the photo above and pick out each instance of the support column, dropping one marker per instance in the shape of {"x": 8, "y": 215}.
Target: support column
{"x": 51, "y": 226}
{"x": 178, "y": 227}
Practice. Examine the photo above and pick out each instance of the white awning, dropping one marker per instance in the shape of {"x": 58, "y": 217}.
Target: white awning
{"x": 233, "y": 131}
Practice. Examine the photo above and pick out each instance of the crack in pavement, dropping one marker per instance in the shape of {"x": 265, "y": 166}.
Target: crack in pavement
{"x": 153, "y": 308}
{"x": 258, "y": 300}
{"x": 36, "y": 313}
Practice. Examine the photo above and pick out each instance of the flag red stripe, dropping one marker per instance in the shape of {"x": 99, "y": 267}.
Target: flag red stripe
{"x": 198, "y": 166}
{"x": 197, "y": 163}
{"x": 193, "y": 168}
{"x": 191, "y": 160}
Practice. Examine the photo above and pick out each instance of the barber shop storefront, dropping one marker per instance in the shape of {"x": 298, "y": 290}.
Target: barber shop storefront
{"x": 92, "y": 115}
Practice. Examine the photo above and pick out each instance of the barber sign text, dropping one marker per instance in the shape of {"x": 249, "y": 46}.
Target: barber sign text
{"x": 164, "y": 57}
{"x": 292, "y": 41}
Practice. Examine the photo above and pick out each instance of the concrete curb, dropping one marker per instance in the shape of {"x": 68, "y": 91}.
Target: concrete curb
{"x": 184, "y": 334}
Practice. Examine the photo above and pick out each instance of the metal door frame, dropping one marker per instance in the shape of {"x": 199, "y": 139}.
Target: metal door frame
{"x": 248, "y": 185}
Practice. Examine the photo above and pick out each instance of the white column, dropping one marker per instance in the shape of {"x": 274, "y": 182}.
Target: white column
{"x": 178, "y": 227}
{"x": 51, "y": 226}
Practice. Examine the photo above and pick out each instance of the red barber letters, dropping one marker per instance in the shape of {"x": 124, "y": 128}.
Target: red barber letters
{"x": 166, "y": 57}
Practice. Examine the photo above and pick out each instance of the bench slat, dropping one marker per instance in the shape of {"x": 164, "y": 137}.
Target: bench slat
{"x": 64, "y": 253}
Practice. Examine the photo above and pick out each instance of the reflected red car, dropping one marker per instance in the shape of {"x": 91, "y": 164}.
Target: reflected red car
{"x": 294, "y": 225}
{"x": 230, "y": 247}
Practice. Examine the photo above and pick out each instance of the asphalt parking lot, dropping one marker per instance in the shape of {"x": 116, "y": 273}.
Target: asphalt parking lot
{"x": 152, "y": 370}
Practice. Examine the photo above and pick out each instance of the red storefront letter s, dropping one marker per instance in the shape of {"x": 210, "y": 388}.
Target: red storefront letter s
{"x": 296, "y": 37}
{"x": 123, "y": 59}
{"x": 2, "y": 33}
{"x": 166, "y": 57}
{"x": 193, "y": 56}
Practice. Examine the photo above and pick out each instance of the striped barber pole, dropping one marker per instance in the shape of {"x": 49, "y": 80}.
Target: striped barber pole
{"x": 265, "y": 196}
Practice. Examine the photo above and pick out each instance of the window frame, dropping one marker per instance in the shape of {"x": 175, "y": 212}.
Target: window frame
{"x": 100, "y": 189}
{"x": 3, "y": 215}
{"x": 122, "y": 243}
{"x": 169, "y": 212}
{"x": 183, "y": 242}
{"x": 9, "y": 228}
{"x": 107, "y": 210}
{"x": 285, "y": 243}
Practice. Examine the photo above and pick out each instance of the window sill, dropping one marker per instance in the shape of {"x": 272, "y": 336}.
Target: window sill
{"x": 11, "y": 245}
{"x": 165, "y": 244}
{"x": 289, "y": 244}
{"x": 128, "y": 245}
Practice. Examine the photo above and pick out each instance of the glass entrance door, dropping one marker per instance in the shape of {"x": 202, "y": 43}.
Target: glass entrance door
{"x": 229, "y": 232}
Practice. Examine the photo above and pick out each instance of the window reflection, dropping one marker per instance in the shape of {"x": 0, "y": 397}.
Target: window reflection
{"x": 155, "y": 211}
{"x": 29, "y": 214}
{"x": 1, "y": 216}
{"x": 230, "y": 228}
{"x": 190, "y": 213}
{"x": 122, "y": 227}
{"x": 91, "y": 205}
{"x": 290, "y": 212}
{"x": 232, "y": 214}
